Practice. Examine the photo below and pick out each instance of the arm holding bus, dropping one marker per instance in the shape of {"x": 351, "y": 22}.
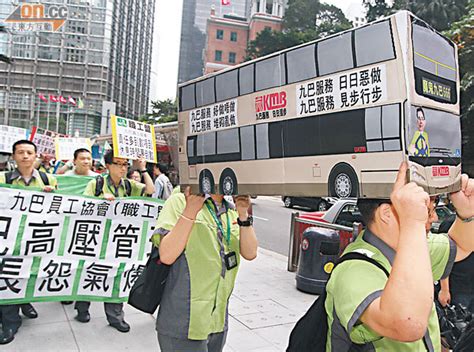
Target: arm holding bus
{"x": 401, "y": 312}
{"x": 248, "y": 239}
{"x": 462, "y": 231}
{"x": 174, "y": 243}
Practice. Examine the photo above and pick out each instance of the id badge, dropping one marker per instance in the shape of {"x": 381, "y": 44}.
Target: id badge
{"x": 230, "y": 260}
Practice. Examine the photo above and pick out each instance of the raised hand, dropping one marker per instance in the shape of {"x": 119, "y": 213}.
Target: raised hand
{"x": 242, "y": 205}
{"x": 463, "y": 200}
{"x": 410, "y": 201}
{"x": 194, "y": 204}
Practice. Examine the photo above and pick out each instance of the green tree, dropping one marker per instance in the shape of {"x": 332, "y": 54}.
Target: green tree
{"x": 162, "y": 111}
{"x": 438, "y": 13}
{"x": 462, "y": 32}
{"x": 299, "y": 27}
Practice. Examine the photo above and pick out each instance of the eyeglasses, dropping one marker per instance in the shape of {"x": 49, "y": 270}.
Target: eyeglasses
{"x": 120, "y": 164}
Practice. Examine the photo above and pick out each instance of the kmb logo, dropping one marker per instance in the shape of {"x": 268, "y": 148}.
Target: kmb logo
{"x": 270, "y": 101}
{"x": 39, "y": 13}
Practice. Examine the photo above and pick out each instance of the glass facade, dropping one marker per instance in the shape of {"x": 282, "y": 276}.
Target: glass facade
{"x": 101, "y": 53}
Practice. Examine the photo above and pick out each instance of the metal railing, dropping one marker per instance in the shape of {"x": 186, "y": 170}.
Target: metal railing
{"x": 295, "y": 240}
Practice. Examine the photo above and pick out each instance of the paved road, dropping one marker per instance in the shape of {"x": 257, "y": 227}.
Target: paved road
{"x": 272, "y": 223}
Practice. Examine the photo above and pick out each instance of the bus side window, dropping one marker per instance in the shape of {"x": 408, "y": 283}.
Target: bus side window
{"x": 335, "y": 54}
{"x": 373, "y": 129}
{"x": 205, "y": 92}
{"x": 301, "y": 64}
{"x": 263, "y": 150}
{"x": 187, "y": 97}
{"x": 228, "y": 141}
{"x": 378, "y": 36}
{"x": 270, "y": 73}
{"x": 206, "y": 144}
{"x": 246, "y": 79}
{"x": 391, "y": 127}
{"x": 227, "y": 86}
{"x": 247, "y": 139}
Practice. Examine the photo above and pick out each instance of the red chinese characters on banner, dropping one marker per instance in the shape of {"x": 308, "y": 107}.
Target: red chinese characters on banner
{"x": 273, "y": 102}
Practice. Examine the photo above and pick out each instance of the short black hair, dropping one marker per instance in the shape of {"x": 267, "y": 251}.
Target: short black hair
{"x": 162, "y": 167}
{"x": 23, "y": 141}
{"x": 131, "y": 171}
{"x": 368, "y": 206}
{"x": 79, "y": 151}
{"x": 418, "y": 110}
{"x": 109, "y": 157}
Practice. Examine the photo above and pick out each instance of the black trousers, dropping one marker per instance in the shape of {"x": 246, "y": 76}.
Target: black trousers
{"x": 10, "y": 316}
{"x": 113, "y": 311}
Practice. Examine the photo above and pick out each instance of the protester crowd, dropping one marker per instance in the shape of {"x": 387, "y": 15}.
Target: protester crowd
{"x": 386, "y": 306}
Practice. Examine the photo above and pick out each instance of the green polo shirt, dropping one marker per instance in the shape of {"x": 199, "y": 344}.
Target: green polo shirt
{"x": 137, "y": 189}
{"x": 198, "y": 288}
{"x": 35, "y": 180}
{"x": 355, "y": 284}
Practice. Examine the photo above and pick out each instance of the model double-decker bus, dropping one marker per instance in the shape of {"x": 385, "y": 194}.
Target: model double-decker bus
{"x": 333, "y": 117}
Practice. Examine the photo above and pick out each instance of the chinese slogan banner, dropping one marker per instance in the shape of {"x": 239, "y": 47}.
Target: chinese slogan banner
{"x": 214, "y": 117}
{"x": 44, "y": 140}
{"x": 133, "y": 139}
{"x": 57, "y": 247}
{"x": 9, "y": 135}
{"x": 347, "y": 90}
{"x": 66, "y": 146}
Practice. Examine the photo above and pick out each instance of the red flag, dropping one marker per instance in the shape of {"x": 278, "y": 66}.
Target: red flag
{"x": 62, "y": 100}
{"x": 53, "y": 98}
{"x": 42, "y": 97}
{"x": 72, "y": 101}
{"x": 225, "y": 2}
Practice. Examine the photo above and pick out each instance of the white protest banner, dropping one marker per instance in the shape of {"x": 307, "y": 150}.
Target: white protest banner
{"x": 214, "y": 117}
{"x": 349, "y": 90}
{"x": 58, "y": 247}
{"x": 66, "y": 146}
{"x": 9, "y": 135}
{"x": 44, "y": 140}
{"x": 133, "y": 139}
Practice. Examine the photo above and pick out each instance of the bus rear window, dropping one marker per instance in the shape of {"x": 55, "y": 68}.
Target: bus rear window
{"x": 434, "y": 64}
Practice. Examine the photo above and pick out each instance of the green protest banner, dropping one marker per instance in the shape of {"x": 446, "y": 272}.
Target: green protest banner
{"x": 65, "y": 247}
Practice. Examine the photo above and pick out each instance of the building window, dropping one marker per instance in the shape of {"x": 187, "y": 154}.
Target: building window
{"x": 218, "y": 56}
{"x": 268, "y": 28}
{"x": 233, "y": 36}
{"x": 220, "y": 34}
{"x": 232, "y": 58}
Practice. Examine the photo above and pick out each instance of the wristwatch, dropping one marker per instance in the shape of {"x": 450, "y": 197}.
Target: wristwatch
{"x": 246, "y": 223}
{"x": 470, "y": 219}
{"x": 141, "y": 172}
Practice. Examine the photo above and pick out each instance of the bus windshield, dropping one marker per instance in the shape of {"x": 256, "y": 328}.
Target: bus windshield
{"x": 433, "y": 136}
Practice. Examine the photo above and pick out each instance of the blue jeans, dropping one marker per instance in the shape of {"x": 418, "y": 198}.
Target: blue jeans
{"x": 467, "y": 300}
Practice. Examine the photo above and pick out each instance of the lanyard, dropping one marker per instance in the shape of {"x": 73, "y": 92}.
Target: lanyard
{"x": 218, "y": 221}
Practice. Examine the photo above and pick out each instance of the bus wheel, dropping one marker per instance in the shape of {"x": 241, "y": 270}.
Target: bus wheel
{"x": 343, "y": 182}
{"x": 206, "y": 182}
{"x": 228, "y": 183}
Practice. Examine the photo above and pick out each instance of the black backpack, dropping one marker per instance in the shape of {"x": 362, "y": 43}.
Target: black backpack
{"x": 99, "y": 186}
{"x": 9, "y": 178}
{"x": 310, "y": 332}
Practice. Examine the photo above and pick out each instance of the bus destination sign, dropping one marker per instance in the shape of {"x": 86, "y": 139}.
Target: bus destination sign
{"x": 436, "y": 89}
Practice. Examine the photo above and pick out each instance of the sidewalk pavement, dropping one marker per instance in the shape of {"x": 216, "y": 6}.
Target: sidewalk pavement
{"x": 263, "y": 309}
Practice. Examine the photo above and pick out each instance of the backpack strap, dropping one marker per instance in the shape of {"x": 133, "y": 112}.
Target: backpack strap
{"x": 360, "y": 256}
{"x": 9, "y": 178}
{"x": 44, "y": 178}
{"x": 99, "y": 185}
{"x": 128, "y": 187}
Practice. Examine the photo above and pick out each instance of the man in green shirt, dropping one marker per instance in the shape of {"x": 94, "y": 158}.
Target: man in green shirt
{"x": 25, "y": 175}
{"x": 397, "y": 313}
{"x": 112, "y": 186}
{"x": 204, "y": 238}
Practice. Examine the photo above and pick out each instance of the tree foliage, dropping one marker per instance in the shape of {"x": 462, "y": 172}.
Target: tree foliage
{"x": 440, "y": 14}
{"x": 305, "y": 20}
{"x": 462, "y": 33}
{"x": 162, "y": 111}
